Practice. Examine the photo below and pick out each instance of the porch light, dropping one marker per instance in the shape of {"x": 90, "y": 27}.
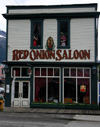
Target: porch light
{"x": 94, "y": 70}
{"x": 6, "y": 69}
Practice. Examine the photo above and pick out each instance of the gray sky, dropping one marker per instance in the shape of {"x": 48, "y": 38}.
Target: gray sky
{"x": 3, "y": 4}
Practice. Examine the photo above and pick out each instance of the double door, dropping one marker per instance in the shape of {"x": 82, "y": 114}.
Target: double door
{"x": 22, "y": 94}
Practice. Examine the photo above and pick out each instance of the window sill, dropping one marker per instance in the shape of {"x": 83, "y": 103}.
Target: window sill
{"x": 36, "y": 47}
{"x": 63, "y": 47}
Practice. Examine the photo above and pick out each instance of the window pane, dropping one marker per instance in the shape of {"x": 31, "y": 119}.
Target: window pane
{"x": 17, "y": 71}
{"x": 53, "y": 89}
{"x": 43, "y": 71}
{"x": 37, "y": 27}
{"x": 37, "y": 71}
{"x": 25, "y": 72}
{"x": 66, "y": 72}
{"x": 50, "y": 71}
{"x": 73, "y": 72}
{"x": 40, "y": 89}
{"x": 86, "y": 73}
{"x": 64, "y": 26}
{"x": 56, "y": 71}
{"x": 16, "y": 90}
{"x": 36, "y": 33}
{"x": 25, "y": 89}
{"x": 83, "y": 90}
{"x": 80, "y": 72}
{"x": 63, "y": 33}
{"x": 69, "y": 90}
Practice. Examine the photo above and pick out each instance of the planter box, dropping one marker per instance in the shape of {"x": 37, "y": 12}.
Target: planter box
{"x": 81, "y": 107}
{"x": 56, "y": 106}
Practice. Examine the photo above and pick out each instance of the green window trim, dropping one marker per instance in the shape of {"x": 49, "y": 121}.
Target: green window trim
{"x": 31, "y": 43}
{"x": 58, "y": 40}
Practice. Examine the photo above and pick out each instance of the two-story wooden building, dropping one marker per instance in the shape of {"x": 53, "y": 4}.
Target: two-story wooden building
{"x": 59, "y": 44}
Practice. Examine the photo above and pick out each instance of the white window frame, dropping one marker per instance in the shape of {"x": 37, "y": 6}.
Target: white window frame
{"x": 76, "y": 77}
{"x": 20, "y": 72}
{"x": 47, "y": 81}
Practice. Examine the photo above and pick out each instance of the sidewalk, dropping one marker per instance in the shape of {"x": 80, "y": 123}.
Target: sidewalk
{"x": 93, "y": 118}
{"x": 51, "y": 111}
{"x": 80, "y": 115}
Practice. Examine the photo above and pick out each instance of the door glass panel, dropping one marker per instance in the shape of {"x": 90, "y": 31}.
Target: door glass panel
{"x": 25, "y": 89}
{"x": 16, "y": 89}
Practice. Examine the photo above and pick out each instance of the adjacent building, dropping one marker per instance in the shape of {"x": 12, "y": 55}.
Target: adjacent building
{"x": 2, "y": 76}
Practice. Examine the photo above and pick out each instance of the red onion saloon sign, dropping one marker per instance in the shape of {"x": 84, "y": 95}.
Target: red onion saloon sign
{"x": 51, "y": 54}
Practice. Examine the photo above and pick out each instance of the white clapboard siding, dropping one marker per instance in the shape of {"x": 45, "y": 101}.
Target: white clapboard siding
{"x": 49, "y": 29}
{"x": 52, "y": 10}
{"x": 18, "y": 36}
{"x": 81, "y": 37}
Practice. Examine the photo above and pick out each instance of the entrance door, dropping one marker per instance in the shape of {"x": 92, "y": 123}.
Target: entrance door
{"x": 22, "y": 94}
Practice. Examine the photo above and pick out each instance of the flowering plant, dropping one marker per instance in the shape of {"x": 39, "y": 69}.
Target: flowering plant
{"x": 39, "y": 100}
{"x": 71, "y": 103}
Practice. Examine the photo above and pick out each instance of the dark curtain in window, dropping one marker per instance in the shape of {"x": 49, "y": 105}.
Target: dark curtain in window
{"x": 41, "y": 82}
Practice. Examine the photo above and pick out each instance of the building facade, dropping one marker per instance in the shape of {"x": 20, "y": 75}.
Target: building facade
{"x": 58, "y": 46}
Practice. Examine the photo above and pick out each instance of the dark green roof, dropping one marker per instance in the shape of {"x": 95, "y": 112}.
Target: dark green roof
{"x": 77, "y": 64}
{"x": 53, "y": 15}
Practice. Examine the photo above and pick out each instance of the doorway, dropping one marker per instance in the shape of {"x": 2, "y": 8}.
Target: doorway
{"x": 22, "y": 94}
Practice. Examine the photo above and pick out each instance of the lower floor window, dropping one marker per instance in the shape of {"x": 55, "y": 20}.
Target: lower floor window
{"x": 75, "y": 85}
{"x": 76, "y": 90}
{"x": 47, "y": 84}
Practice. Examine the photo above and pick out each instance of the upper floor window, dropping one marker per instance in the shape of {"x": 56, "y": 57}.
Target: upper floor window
{"x": 63, "y": 34}
{"x": 36, "y": 34}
